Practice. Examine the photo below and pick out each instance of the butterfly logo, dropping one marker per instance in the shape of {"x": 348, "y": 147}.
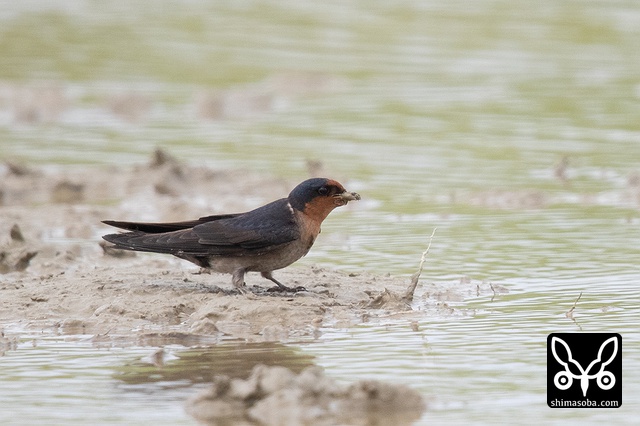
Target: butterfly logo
{"x": 595, "y": 370}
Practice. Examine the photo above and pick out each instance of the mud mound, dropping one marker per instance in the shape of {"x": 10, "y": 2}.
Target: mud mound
{"x": 277, "y": 396}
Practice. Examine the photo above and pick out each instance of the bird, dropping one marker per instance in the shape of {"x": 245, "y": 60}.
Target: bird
{"x": 262, "y": 240}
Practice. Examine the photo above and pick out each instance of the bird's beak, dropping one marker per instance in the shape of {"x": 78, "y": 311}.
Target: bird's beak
{"x": 345, "y": 197}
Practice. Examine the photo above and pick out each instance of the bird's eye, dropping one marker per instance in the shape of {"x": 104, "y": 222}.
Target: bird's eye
{"x": 323, "y": 190}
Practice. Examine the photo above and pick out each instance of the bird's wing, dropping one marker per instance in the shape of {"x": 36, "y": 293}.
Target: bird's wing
{"x": 154, "y": 228}
{"x": 254, "y": 232}
{"x": 257, "y": 231}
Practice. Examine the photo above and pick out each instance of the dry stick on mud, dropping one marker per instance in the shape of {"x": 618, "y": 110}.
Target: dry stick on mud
{"x": 408, "y": 295}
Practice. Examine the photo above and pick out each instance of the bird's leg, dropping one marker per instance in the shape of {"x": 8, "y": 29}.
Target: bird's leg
{"x": 238, "y": 280}
{"x": 269, "y": 276}
{"x": 281, "y": 287}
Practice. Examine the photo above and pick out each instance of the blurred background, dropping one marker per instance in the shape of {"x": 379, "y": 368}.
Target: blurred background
{"x": 425, "y": 107}
{"x": 511, "y": 126}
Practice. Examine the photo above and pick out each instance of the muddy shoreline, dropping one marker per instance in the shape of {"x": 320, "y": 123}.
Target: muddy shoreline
{"x": 57, "y": 277}
{"x": 56, "y": 274}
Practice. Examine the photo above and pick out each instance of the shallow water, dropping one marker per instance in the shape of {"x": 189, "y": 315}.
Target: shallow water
{"x": 441, "y": 114}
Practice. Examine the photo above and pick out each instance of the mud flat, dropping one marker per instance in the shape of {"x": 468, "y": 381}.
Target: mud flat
{"x": 56, "y": 274}
{"x": 58, "y": 277}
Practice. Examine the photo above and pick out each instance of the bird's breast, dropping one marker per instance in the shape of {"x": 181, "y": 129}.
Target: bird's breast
{"x": 309, "y": 228}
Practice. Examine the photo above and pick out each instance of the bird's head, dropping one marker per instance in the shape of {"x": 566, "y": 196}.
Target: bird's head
{"x": 319, "y": 196}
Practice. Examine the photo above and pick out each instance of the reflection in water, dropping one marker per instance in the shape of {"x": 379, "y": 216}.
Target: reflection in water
{"x": 203, "y": 364}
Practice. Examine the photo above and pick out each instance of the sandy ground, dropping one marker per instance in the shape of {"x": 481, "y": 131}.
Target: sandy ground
{"x": 56, "y": 274}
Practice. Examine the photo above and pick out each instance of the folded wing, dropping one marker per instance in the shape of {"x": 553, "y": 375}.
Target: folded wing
{"x": 255, "y": 232}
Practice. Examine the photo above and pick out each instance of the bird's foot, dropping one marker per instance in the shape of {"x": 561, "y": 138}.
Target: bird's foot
{"x": 284, "y": 289}
{"x": 242, "y": 289}
{"x": 280, "y": 287}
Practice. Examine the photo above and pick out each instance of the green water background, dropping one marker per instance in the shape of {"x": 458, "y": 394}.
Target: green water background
{"x": 456, "y": 115}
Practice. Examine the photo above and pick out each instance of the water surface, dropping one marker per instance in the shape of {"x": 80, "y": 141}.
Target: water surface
{"x": 512, "y": 127}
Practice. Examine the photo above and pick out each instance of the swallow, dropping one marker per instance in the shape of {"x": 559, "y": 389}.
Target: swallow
{"x": 263, "y": 240}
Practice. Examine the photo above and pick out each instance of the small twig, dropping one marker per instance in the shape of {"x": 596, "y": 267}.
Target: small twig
{"x": 569, "y": 313}
{"x": 493, "y": 290}
{"x": 408, "y": 295}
